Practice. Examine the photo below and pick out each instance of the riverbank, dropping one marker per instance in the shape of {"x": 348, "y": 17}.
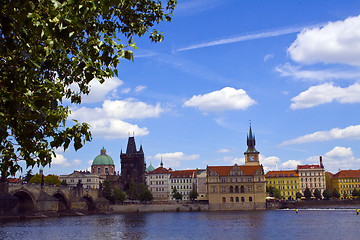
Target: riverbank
{"x": 314, "y": 204}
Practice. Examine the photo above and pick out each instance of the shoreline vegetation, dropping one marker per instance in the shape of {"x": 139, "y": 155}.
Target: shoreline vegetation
{"x": 183, "y": 207}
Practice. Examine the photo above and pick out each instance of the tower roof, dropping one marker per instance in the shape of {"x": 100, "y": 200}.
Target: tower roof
{"x": 251, "y": 142}
{"x": 103, "y": 159}
{"x": 131, "y": 146}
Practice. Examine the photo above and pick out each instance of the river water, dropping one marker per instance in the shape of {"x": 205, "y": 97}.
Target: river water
{"x": 274, "y": 224}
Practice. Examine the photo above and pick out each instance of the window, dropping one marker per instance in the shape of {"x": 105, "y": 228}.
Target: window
{"x": 237, "y": 199}
{"x": 237, "y": 189}
{"x": 242, "y": 189}
{"x": 231, "y": 199}
{"x": 213, "y": 189}
{"x": 88, "y": 180}
{"x": 224, "y": 200}
{"x": 98, "y": 170}
{"x": 242, "y": 199}
{"x": 231, "y": 190}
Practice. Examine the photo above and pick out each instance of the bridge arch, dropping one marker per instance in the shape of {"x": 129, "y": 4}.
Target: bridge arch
{"x": 26, "y": 200}
{"x": 89, "y": 203}
{"x": 63, "y": 203}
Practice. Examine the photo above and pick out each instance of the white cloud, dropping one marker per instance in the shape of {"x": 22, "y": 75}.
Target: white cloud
{"x": 125, "y": 90}
{"x": 98, "y": 91}
{"x": 140, "y": 88}
{"x": 340, "y": 158}
{"x": 326, "y": 93}
{"x": 268, "y": 57}
{"x": 107, "y": 121}
{"x": 351, "y": 132}
{"x": 223, "y": 150}
{"x": 173, "y": 160}
{"x": 225, "y": 99}
{"x": 290, "y": 165}
{"x": 337, "y": 42}
{"x": 61, "y": 160}
{"x": 288, "y": 70}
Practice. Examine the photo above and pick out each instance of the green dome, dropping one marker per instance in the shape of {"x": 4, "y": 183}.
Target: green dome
{"x": 149, "y": 168}
{"x": 103, "y": 159}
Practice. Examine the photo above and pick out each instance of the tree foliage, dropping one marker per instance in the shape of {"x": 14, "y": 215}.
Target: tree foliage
{"x": 298, "y": 195}
{"x": 146, "y": 195}
{"x": 336, "y": 194}
{"x": 177, "y": 195}
{"x": 355, "y": 193}
{"x": 317, "y": 194}
{"x": 52, "y": 179}
{"x": 274, "y": 192}
{"x": 193, "y": 195}
{"x": 46, "y": 47}
{"x": 327, "y": 194}
{"x": 119, "y": 195}
{"x": 307, "y": 193}
{"x": 28, "y": 175}
{"x": 36, "y": 179}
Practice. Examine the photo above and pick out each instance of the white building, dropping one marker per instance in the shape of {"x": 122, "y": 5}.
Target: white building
{"x": 312, "y": 177}
{"x": 158, "y": 183}
{"x": 184, "y": 181}
{"x": 87, "y": 179}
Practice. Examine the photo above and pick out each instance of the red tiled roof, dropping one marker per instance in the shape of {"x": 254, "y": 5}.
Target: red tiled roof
{"x": 160, "y": 170}
{"x": 14, "y": 180}
{"x": 348, "y": 174}
{"x": 183, "y": 174}
{"x": 283, "y": 173}
{"x": 225, "y": 170}
{"x": 331, "y": 175}
{"x": 308, "y": 166}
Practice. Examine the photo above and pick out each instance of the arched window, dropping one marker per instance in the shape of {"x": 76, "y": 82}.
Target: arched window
{"x": 237, "y": 199}
{"x": 223, "y": 199}
{"x": 242, "y": 199}
{"x": 250, "y": 199}
{"x": 231, "y": 189}
{"x": 237, "y": 189}
{"x": 242, "y": 189}
{"x": 231, "y": 199}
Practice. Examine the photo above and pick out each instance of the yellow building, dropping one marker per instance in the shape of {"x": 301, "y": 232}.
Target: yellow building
{"x": 238, "y": 187}
{"x": 286, "y": 181}
{"x": 345, "y": 181}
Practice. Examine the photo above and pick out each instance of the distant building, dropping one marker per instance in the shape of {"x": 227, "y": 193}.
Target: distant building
{"x": 158, "y": 183}
{"x": 184, "y": 181}
{"x": 86, "y": 179}
{"x": 201, "y": 185}
{"x": 345, "y": 181}
{"x": 286, "y": 181}
{"x": 132, "y": 164}
{"x": 103, "y": 164}
{"x": 312, "y": 177}
{"x": 238, "y": 187}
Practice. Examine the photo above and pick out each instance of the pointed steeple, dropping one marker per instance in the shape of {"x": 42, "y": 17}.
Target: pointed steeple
{"x": 131, "y": 147}
{"x": 161, "y": 163}
{"x": 251, "y": 142}
{"x": 141, "y": 150}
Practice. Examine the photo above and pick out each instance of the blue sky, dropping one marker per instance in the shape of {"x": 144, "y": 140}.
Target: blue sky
{"x": 291, "y": 67}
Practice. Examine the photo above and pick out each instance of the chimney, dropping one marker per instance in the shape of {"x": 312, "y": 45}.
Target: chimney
{"x": 321, "y": 164}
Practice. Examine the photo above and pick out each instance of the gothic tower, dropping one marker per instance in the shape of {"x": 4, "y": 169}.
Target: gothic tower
{"x": 251, "y": 154}
{"x": 132, "y": 164}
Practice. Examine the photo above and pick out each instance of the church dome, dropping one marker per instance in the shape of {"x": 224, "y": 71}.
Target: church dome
{"x": 150, "y": 168}
{"x": 103, "y": 159}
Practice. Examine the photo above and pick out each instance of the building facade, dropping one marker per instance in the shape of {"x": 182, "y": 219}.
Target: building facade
{"x": 103, "y": 164}
{"x": 312, "y": 177}
{"x": 287, "y": 182}
{"x": 202, "y": 185}
{"x": 86, "y": 179}
{"x": 184, "y": 181}
{"x": 238, "y": 187}
{"x": 158, "y": 183}
{"x": 345, "y": 181}
{"x": 132, "y": 164}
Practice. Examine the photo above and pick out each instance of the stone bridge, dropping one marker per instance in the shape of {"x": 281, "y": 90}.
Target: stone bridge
{"x": 46, "y": 198}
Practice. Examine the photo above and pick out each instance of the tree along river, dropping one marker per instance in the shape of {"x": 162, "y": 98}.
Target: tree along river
{"x": 274, "y": 224}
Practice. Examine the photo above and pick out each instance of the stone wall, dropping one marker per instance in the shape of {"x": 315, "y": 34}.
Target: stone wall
{"x": 175, "y": 207}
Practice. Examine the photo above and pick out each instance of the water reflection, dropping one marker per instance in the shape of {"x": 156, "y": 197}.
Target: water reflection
{"x": 191, "y": 225}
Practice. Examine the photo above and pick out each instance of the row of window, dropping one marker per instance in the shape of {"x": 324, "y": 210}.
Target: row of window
{"x": 158, "y": 183}
{"x": 236, "y": 199}
{"x": 283, "y": 182}
{"x": 311, "y": 174}
{"x": 306, "y": 179}
{"x": 225, "y": 179}
{"x": 73, "y": 180}
{"x": 180, "y": 180}
{"x": 157, "y": 176}
{"x": 182, "y": 187}
{"x": 311, "y": 185}
{"x": 350, "y": 180}
{"x": 287, "y": 187}
{"x": 351, "y": 186}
